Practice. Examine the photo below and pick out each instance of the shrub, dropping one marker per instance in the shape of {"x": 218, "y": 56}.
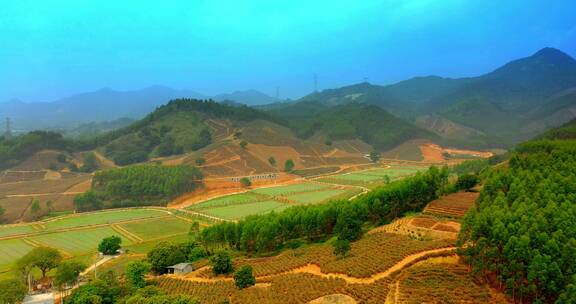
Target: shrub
{"x": 221, "y": 262}
{"x": 110, "y": 245}
{"x": 243, "y": 277}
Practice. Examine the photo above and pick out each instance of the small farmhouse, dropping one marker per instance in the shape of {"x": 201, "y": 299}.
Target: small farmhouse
{"x": 180, "y": 269}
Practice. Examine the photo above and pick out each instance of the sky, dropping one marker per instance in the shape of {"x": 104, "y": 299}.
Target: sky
{"x": 51, "y": 49}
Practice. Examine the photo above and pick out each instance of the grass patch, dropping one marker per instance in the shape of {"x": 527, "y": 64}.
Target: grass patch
{"x": 103, "y": 217}
{"x": 234, "y": 212}
{"x": 77, "y": 242}
{"x": 158, "y": 228}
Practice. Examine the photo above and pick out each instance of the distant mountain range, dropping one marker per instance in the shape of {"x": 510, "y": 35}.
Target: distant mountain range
{"x": 512, "y": 103}
{"x": 108, "y": 105}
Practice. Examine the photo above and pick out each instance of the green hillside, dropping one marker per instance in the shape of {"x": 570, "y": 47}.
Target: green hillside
{"x": 174, "y": 128}
{"x": 369, "y": 123}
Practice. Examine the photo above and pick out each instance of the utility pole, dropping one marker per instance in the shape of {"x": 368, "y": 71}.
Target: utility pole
{"x": 277, "y": 92}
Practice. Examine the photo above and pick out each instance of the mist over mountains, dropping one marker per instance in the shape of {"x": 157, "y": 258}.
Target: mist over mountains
{"x": 513, "y": 102}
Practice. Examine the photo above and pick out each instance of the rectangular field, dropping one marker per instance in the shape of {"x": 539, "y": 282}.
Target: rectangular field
{"x": 227, "y": 200}
{"x": 157, "y": 228}
{"x": 372, "y": 177}
{"x": 103, "y": 217}
{"x": 316, "y": 196}
{"x": 16, "y": 230}
{"x": 77, "y": 242}
{"x": 10, "y": 251}
{"x": 234, "y": 212}
{"x": 290, "y": 189}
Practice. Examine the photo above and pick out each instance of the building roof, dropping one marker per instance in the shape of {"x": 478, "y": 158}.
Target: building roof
{"x": 180, "y": 266}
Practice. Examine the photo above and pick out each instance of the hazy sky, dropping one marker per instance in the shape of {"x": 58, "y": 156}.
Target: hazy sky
{"x": 50, "y": 49}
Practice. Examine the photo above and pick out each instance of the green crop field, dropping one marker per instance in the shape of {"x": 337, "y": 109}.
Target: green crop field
{"x": 16, "y": 230}
{"x": 372, "y": 177}
{"x": 228, "y": 200}
{"x": 157, "y": 228}
{"x": 258, "y": 201}
{"x": 234, "y": 212}
{"x": 316, "y": 196}
{"x": 290, "y": 189}
{"x": 10, "y": 251}
{"x": 77, "y": 242}
{"x": 103, "y": 217}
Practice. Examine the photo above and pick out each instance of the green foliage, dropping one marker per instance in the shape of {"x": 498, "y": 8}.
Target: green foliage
{"x": 467, "y": 182}
{"x": 96, "y": 292}
{"x": 245, "y": 182}
{"x": 221, "y": 262}
{"x": 243, "y": 277}
{"x": 13, "y": 150}
{"x": 522, "y": 230}
{"x": 165, "y": 254}
{"x": 67, "y": 273}
{"x": 110, "y": 245}
{"x": 374, "y": 156}
{"x": 266, "y": 233}
{"x": 12, "y": 291}
{"x": 289, "y": 165}
{"x": 90, "y": 163}
{"x": 243, "y": 144}
{"x": 200, "y": 161}
{"x": 53, "y": 167}
{"x": 341, "y": 247}
{"x": 145, "y": 183}
{"x": 474, "y": 166}
{"x": 272, "y": 161}
{"x": 43, "y": 258}
{"x": 61, "y": 158}
{"x": 135, "y": 272}
{"x": 35, "y": 206}
{"x": 88, "y": 201}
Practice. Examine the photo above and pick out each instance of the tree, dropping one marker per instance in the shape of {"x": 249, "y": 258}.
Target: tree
{"x": 245, "y": 182}
{"x": 243, "y": 144}
{"x": 12, "y": 291}
{"x": 61, "y": 158}
{"x": 110, "y": 245}
{"x": 243, "y": 277}
{"x": 44, "y": 258}
{"x": 194, "y": 229}
{"x": 200, "y": 161}
{"x": 272, "y": 161}
{"x": 221, "y": 262}
{"x": 374, "y": 156}
{"x": 288, "y": 165}
{"x": 165, "y": 254}
{"x": 90, "y": 162}
{"x": 135, "y": 272}
{"x": 467, "y": 181}
{"x": 341, "y": 247}
{"x": 67, "y": 273}
{"x": 2, "y": 211}
{"x": 35, "y": 206}
{"x": 87, "y": 201}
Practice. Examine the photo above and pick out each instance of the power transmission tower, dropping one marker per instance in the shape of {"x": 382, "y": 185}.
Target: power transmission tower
{"x": 8, "y": 133}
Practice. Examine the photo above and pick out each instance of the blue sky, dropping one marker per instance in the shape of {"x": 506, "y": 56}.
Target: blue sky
{"x": 50, "y": 49}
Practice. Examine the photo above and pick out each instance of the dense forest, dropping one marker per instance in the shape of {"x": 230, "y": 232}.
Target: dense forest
{"x": 15, "y": 149}
{"x": 344, "y": 219}
{"x": 138, "y": 185}
{"x": 521, "y": 236}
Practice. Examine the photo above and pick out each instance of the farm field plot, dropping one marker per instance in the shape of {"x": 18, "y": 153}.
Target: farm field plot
{"x": 453, "y": 205}
{"x": 77, "y": 242}
{"x": 291, "y": 189}
{"x": 370, "y": 255}
{"x": 316, "y": 196}
{"x": 240, "y": 198}
{"x": 371, "y": 177}
{"x": 157, "y": 228}
{"x": 264, "y": 200}
{"x": 103, "y": 217}
{"x": 233, "y": 212}
{"x": 16, "y": 230}
{"x": 451, "y": 282}
{"x": 10, "y": 251}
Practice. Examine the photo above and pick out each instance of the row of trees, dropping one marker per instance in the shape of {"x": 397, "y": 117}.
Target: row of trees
{"x": 522, "y": 236}
{"x": 137, "y": 185}
{"x": 15, "y": 149}
{"x": 345, "y": 219}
